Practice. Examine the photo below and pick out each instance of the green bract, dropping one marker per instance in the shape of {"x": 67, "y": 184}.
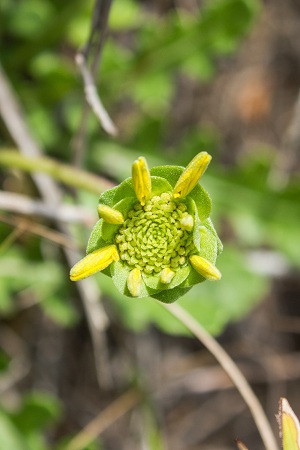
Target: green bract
{"x": 154, "y": 237}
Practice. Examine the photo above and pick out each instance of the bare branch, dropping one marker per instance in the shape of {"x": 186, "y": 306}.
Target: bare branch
{"x": 113, "y": 412}
{"x": 92, "y": 51}
{"x": 18, "y": 203}
{"x": 289, "y": 151}
{"x": 28, "y": 226}
{"x": 93, "y": 98}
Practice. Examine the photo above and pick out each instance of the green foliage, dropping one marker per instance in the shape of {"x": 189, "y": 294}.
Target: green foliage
{"x": 23, "y": 427}
{"x": 44, "y": 284}
{"x": 143, "y": 72}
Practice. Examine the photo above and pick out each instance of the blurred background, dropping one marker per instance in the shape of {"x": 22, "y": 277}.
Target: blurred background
{"x": 81, "y": 366}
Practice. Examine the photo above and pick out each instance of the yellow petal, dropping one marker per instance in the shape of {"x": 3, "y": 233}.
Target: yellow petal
{"x": 141, "y": 179}
{"x": 94, "y": 262}
{"x": 289, "y": 424}
{"x": 134, "y": 282}
{"x": 191, "y": 175}
{"x": 110, "y": 215}
{"x": 205, "y": 268}
{"x": 167, "y": 275}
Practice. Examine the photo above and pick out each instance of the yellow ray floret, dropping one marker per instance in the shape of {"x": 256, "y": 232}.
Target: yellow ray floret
{"x": 205, "y": 268}
{"x": 290, "y": 427}
{"x": 94, "y": 262}
{"x": 141, "y": 179}
{"x": 134, "y": 282}
{"x": 191, "y": 175}
{"x": 110, "y": 215}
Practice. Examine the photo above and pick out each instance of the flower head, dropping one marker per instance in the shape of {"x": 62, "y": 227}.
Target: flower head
{"x": 154, "y": 236}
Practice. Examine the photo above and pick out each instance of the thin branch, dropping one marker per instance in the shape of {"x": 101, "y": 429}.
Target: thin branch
{"x": 97, "y": 320}
{"x": 21, "y": 204}
{"x": 93, "y": 98}
{"x": 71, "y": 176}
{"x": 27, "y": 226}
{"x": 231, "y": 369}
{"x": 289, "y": 151}
{"x": 20, "y": 362}
{"x": 10, "y": 239}
{"x": 92, "y": 51}
{"x": 113, "y": 412}
{"x": 98, "y": 33}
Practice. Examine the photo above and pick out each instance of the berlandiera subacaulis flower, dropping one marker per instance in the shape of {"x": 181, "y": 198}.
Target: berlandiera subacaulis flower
{"x": 154, "y": 237}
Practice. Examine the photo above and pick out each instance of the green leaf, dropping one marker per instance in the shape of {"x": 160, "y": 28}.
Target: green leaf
{"x": 10, "y": 438}
{"x": 154, "y": 92}
{"x": 30, "y": 17}
{"x": 37, "y": 411}
{"x": 96, "y": 240}
{"x": 124, "y": 14}
{"x": 60, "y": 311}
{"x": 171, "y": 295}
{"x": 4, "y": 361}
{"x": 107, "y": 197}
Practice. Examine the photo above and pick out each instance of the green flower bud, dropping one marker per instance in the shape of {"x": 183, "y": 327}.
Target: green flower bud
{"x": 155, "y": 237}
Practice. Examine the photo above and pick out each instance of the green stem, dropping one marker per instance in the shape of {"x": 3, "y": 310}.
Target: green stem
{"x": 232, "y": 371}
{"x": 66, "y": 174}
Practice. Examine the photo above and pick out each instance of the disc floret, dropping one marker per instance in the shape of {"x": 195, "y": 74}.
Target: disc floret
{"x": 155, "y": 237}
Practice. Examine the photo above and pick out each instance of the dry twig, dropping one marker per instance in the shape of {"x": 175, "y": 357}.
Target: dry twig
{"x": 92, "y": 50}
{"x": 23, "y": 225}
{"x": 113, "y": 412}
{"x": 21, "y": 204}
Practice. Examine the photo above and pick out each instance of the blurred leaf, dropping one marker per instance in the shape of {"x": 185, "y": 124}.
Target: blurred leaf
{"x": 10, "y": 438}
{"x": 43, "y": 126}
{"x": 199, "y": 66}
{"x": 78, "y": 29}
{"x": 4, "y": 361}
{"x": 37, "y": 411}
{"x": 29, "y": 17}
{"x": 124, "y": 14}
{"x": 6, "y": 304}
{"x": 225, "y": 22}
{"x": 154, "y": 93}
{"x": 61, "y": 311}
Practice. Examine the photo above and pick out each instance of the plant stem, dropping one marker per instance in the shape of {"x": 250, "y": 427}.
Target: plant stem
{"x": 62, "y": 172}
{"x": 231, "y": 369}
